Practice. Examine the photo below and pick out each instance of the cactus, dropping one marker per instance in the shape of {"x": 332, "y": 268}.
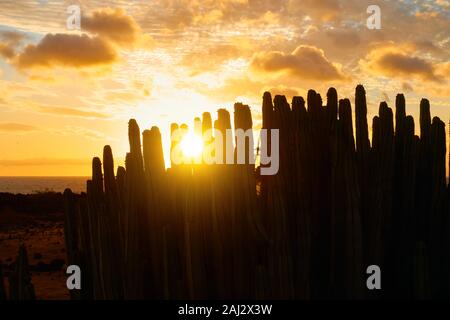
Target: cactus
{"x": 71, "y": 233}
{"x": 363, "y": 162}
{"x": 338, "y": 204}
{"x": 439, "y": 262}
{"x": 20, "y": 285}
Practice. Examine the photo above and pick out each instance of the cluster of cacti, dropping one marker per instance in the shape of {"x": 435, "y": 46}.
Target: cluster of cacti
{"x": 338, "y": 204}
{"x": 19, "y": 280}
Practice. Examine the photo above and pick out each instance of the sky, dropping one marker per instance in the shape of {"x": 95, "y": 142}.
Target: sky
{"x": 65, "y": 93}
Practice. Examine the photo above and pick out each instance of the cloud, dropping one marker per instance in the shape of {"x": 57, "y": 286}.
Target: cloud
{"x": 217, "y": 55}
{"x": 67, "y": 50}
{"x": 398, "y": 62}
{"x": 7, "y": 51}
{"x": 283, "y": 90}
{"x": 9, "y": 42}
{"x": 64, "y": 111}
{"x": 12, "y": 36}
{"x": 443, "y": 69}
{"x": 407, "y": 87}
{"x": 9, "y": 127}
{"x": 324, "y": 10}
{"x": 306, "y": 62}
{"x": 105, "y": 31}
{"x": 234, "y": 88}
{"x": 113, "y": 24}
{"x": 426, "y": 46}
{"x": 244, "y": 88}
{"x": 343, "y": 38}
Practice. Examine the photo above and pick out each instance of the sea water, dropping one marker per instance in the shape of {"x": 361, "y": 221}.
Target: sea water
{"x": 27, "y": 185}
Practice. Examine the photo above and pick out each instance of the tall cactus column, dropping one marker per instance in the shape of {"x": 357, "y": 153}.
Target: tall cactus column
{"x": 136, "y": 237}
{"x": 363, "y": 163}
{"x": 20, "y": 286}
{"x": 439, "y": 219}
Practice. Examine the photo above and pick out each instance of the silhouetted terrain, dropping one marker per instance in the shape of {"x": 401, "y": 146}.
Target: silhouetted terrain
{"x": 35, "y": 220}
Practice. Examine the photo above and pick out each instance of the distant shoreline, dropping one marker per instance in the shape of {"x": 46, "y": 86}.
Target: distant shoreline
{"x": 37, "y": 185}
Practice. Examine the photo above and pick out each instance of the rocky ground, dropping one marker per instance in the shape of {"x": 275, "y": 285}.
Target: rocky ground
{"x": 43, "y": 236}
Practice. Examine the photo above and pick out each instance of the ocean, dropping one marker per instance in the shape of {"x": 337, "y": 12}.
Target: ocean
{"x": 27, "y": 185}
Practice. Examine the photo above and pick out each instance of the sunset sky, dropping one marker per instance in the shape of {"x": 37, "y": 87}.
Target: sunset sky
{"x": 66, "y": 93}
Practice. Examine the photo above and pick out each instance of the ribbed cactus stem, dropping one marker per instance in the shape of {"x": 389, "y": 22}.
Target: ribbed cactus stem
{"x": 120, "y": 178}
{"x": 108, "y": 169}
{"x": 223, "y": 124}
{"x": 345, "y": 117}
{"x": 206, "y": 122}
{"x": 97, "y": 176}
{"x": 400, "y": 114}
{"x": 312, "y": 102}
{"x": 207, "y": 126}
{"x": 134, "y": 137}
{"x": 376, "y": 133}
{"x": 267, "y": 110}
{"x": 298, "y": 105}
{"x": 362, "y": 132}
{"x": 332, "y": 104}
{"x": 243, "y": 121}
{"x": 153, "y": 152}
{"x": 425, "y": 119}
{"x": 70, "y": 227}
{"x": 20, "y": 285}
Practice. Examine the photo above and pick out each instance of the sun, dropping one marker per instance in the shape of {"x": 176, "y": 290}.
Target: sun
{"x": 192, "y": 145}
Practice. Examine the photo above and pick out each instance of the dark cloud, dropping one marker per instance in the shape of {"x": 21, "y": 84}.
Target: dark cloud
{"x": 67, "y": 50}
{"x": 9, "y": 41}
{"x": 12, "y": 37}
{"x": 324, "y": 10}
{"x": 113, "y": 24}
{"x": 394, "y": 62}
{"x": 7, "y": 51}
{"x": 306, "y": 62}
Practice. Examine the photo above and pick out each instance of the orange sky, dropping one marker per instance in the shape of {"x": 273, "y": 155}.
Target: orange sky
{"x": 65, "y": 93}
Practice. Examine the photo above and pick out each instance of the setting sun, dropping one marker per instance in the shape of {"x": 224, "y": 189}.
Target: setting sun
{"x": 191, "y": 145}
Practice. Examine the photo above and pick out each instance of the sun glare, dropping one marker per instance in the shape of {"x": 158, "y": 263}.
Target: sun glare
{"x": 192, "y": 145}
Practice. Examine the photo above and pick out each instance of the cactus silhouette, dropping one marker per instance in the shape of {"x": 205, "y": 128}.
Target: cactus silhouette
{"x": 20, "y": 286}
{"x": 339, "y": 203}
